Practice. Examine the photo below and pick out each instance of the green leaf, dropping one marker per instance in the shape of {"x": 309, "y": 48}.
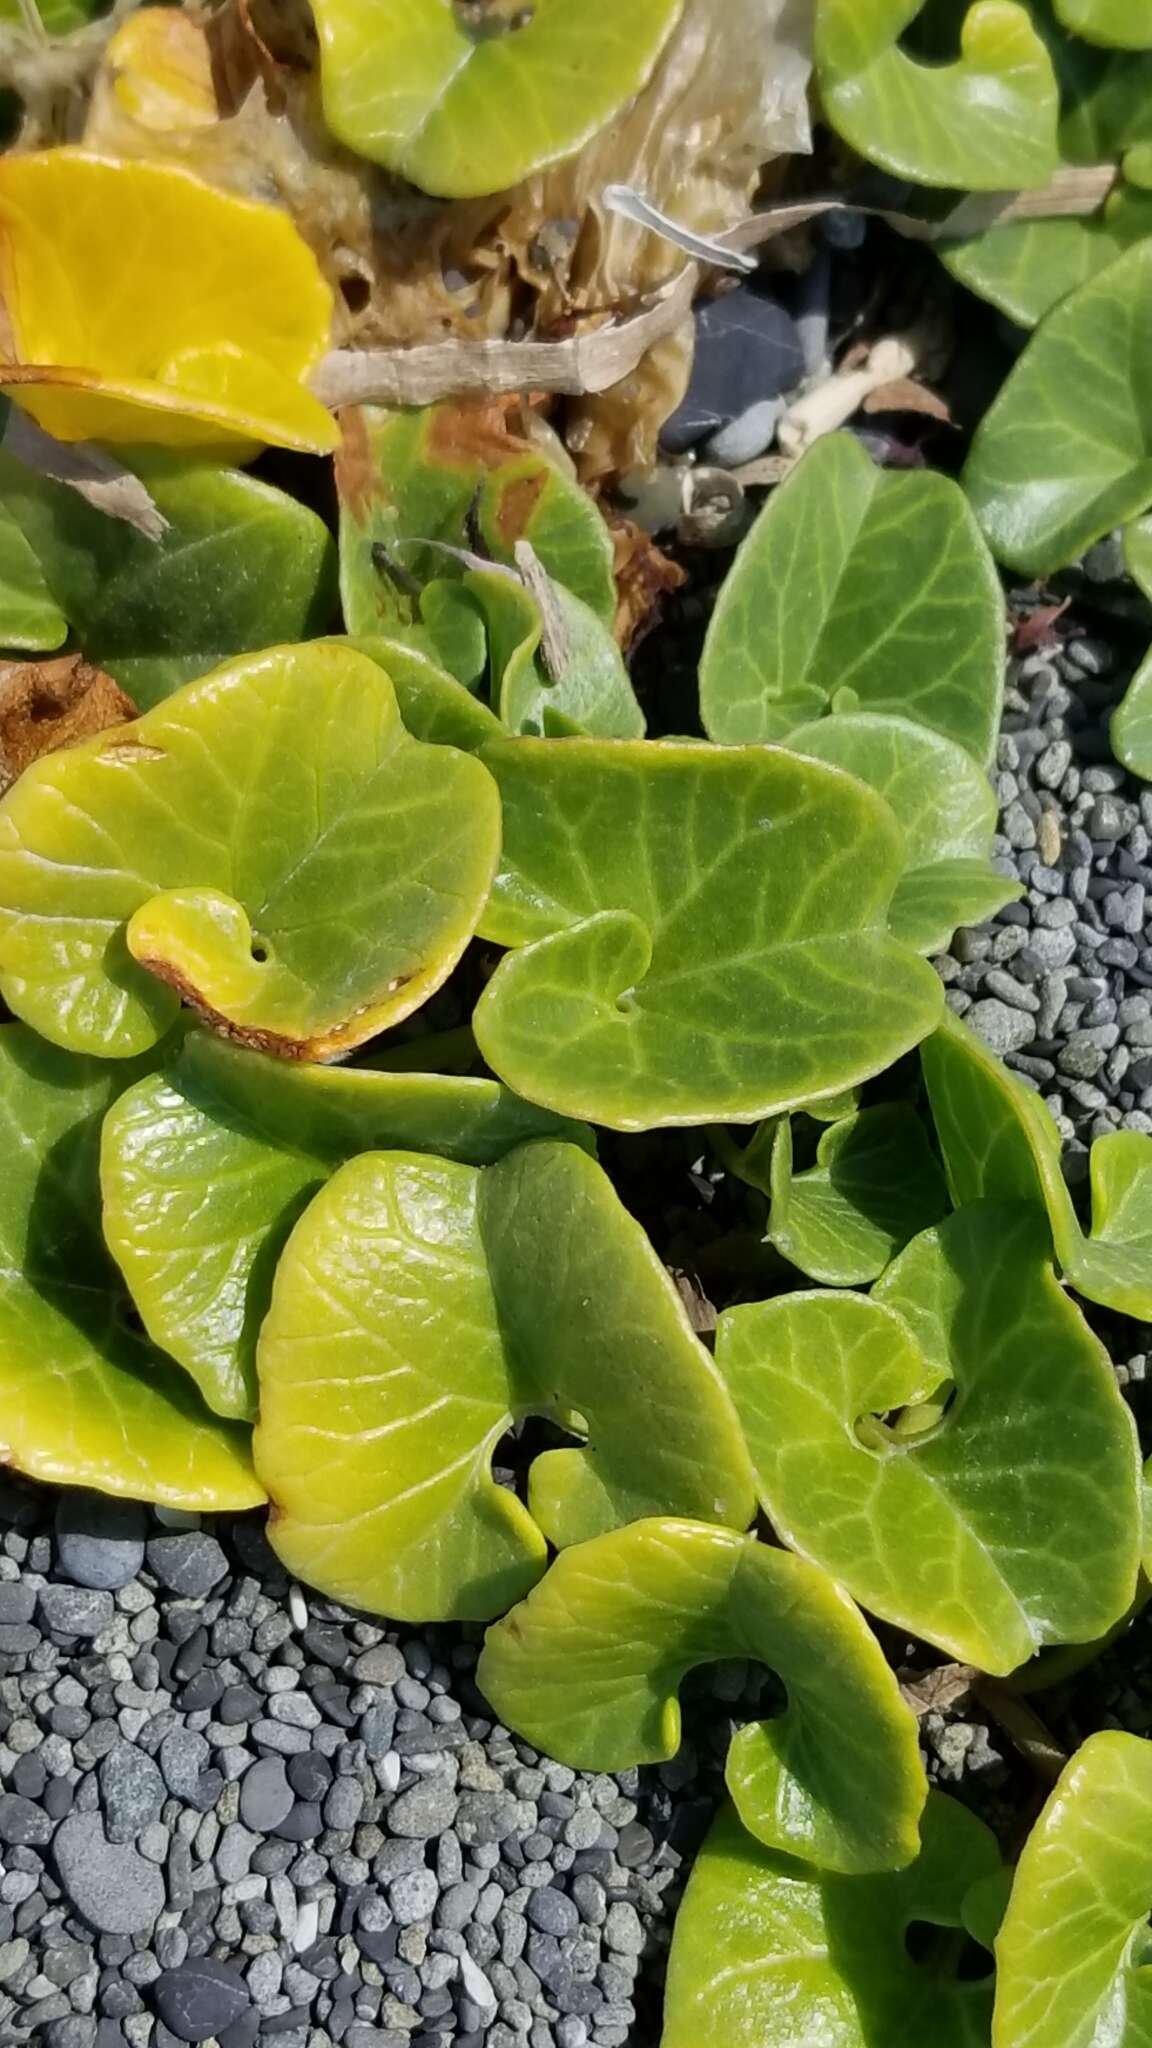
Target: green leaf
{"x": 1071, "y": 1954}
{"x": 765, "y": 1954}
{"x": 433, "y": 706}
{"x": 29, "y": 618}
{"x": 419, "y": 1307}
{"x": 463, "y": 106}
{"x": 876, "y": 1182}
{"x": 1121, "y": 24}
{"x": 1000, "y": 1144}
{"x": 671, "y": 970}
{"x": 1028, "y": 267}
{"x": 1132, "y": 719}
{"x": 1064, "y": 454}
{"x": 59, "y": 17}
{"x": 857, "y": 580}
{"x": 269, "y": 843}
{"x": 945, "y": 804}
{"x": 591, "y": 694}
{"x": 241, "y": 567}
{"x": 415, "y": 476}
{"x": 454, "y": 627}
{"x": 588, "y": 1669}
{"x": 206, "y": 1165}
{"x": 967, "y": 1524}
{"x": 86, "y": 1401}
{"x": 985, "y": 121}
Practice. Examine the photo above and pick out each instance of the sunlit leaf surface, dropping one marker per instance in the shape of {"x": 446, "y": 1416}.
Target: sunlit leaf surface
{"x": 875, "y": 1183}
{"x": 917, "y": 1444}
{"x": 268, "y": 843}
{"x": 146, "y": 305}
{"x": 419, "y": 1306}
{"x": 84, "y": 1399}
{"x": 701, "y": 932}
{"x": 588, "y": 1669}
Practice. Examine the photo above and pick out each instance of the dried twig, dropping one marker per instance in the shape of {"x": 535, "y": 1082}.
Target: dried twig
{"x": 95, "y": 475}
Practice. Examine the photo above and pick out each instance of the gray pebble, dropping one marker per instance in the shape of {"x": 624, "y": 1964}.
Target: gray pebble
{"x": 189, "y": 1563}
{"x": 429, "y": 1809}
{"x": 111, "y": 1887}
{"x": 75, "y": 1610}
{"x": 266, "y": 1798}
{"x": 99, "y": 1539}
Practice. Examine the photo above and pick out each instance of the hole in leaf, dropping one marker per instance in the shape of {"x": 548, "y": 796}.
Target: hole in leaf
{"x": 480, "y": 20}
{"x": 259, "y": 949}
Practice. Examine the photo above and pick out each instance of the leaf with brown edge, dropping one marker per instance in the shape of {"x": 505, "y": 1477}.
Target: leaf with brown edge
{"x": 50, "y": 704}
{"x": 268, "y": 844}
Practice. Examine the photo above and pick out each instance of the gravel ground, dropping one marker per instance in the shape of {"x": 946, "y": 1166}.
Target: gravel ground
{"x": 234, "y": 1812}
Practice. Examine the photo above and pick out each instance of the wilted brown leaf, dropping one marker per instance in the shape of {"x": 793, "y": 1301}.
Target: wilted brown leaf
{"x": 644, "y": 577}
{"x": 45, "y": 705}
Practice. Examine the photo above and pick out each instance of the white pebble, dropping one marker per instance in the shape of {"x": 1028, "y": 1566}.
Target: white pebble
{"x": 307, "y": 1926}
{"x": 297, "y": 1606}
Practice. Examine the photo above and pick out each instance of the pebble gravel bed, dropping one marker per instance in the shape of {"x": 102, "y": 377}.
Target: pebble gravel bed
{"x": 231, "y": 1811}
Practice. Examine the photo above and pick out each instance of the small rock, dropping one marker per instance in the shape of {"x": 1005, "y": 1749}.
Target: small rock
{"x": 75, "y": 1610}
{"x": 1002, "y": 1028}
{"x": 22, "y": 1823}
{"x": 381, "y": 1666}
{"x": 99, "y": 1539}
{"x": 200, "y": 1999}
{"x": 111, "y": 1887}
{"x": 429, "y": 1809}
{"x": 183, "y": 1756}
{"x": 747, "y": 436}
{"x": 131, "y": 1792}
{"x": 412, "y": 1897}
{"x": 266, "y": 1797}
{"x": 747, "y": 351}
{"x": 188, "y": 1563}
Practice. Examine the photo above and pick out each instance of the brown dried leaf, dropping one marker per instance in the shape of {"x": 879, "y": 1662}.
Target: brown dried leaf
{"x": 937, "y": 1690}
{"x": 644, "y": 577}
{"x": 907, "y": 394}
{"x": 45, "y": 705}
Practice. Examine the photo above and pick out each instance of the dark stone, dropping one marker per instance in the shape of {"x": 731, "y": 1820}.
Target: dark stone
{"x": 309, "y": 1774}
{"x": 200, "y": 1999}
{"x": 58, "y": 1798}
{"x": 327, "y": 1645}
{"x": 17, "y": 1603}
{"x": 747, "y": 348}
{"x": 302, "y": 1824}
{"x": 190, "y": 1656}
{"x": 29, "y": 1776}
{"x": 131, "y": 1792}
{"x": 201, "y": 1693}
{"x": 75, "y": 1610}
{"x": 189, "y": 1563}
{"x": 243, "y": 2032}
{"x": 238, "y": 1704}
{"x": 22, "y": 1823}
{"x": 99, "y": 1540}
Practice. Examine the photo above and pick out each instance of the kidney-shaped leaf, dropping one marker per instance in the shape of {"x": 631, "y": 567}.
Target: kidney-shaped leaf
{"x": 84, "y": 1399}
{"x": 589, "y": 691}
{"x": 1027, "y": 267}
{"x": 1000, "y": 1143}
{"x": 1121, "y": 24}
{"x": 241, "y": 566}
{"x": 945, "y": 804}
{"x": 433, "y": 705}
{"x": 419, "y": 1306}
{"x": 767, "y": 1955}
{"x": 589, "y": 1666}
{"x": 269, "y": 843}
{"x": 702, "y": 932}
{"x": 465, "y": 99}
{"x": 875, "y": 1184}
{"x": 1064, "y": 454}
{"x": 146, "y": 305}
{"x": 1071, "y": 1955}
{"x": 873, "y": 588}
{"x": 985, "y": 121}
{"x": 988, "y": 1529}
{"x": 206, "y": 1165}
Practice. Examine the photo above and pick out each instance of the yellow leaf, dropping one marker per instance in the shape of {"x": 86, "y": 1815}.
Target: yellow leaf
{"x": 157, "y": 72}
{"x": 145, "y": 305}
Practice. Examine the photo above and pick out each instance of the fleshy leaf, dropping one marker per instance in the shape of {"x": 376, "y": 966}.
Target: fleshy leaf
{"x": 1120, "y": 24}
{"x": 1132, "y": 719}
{"x": 853, "y": 579}
{"x": 1071, "y": 1954}
{"x": 146, "y": 305}
{"x": 1064, "y": 454}
{"x": 418, "y": 1307}
{"x": 767, "y": 1955}
{"x": 85, "y": 1400}
{"x": 590, "y": 693}
{"x": 30, "y": 620}
{"x": 206, "y": 1165}
{"x": 1028, "y": 267}
{"x": 985, "y": 1528}
{"x": 1000, "y": 1143}
{"x": 702, "y": 932}
{"x": 464, "y": 100}
{"x": 588, "y": 1669}
{"x": 875, "y": 1184}
{"x": 268, "y": 843}
{"x": 985, "y": 121}
{"x": 945, "y": 804}
{"x": 241, "y": 566}
{"x": 433, "y": 705}
{"x": 407, "y": 477}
